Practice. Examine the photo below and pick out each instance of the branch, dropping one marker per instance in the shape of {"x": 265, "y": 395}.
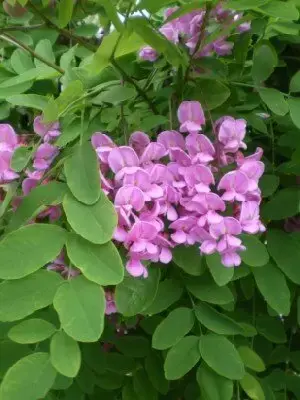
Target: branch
{"x": 62, "y": 31}
{"x": 20, "y": 28}
{"x": 138, "y": 89}
{"x": 23, "y": 46}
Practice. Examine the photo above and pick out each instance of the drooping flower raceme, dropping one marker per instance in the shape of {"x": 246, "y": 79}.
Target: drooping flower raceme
{"x": 182, "y": 190}
{"x": 187, "y": 29}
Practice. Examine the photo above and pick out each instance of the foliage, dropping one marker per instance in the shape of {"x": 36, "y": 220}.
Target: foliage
{"x": 75, "y": 323}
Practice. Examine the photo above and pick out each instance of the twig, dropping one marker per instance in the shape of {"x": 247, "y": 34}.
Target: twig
{"x": 20, "y": 28}
{"x": 62, "y": 31}
{"x": 138, "y": 89}
{"x": 23, "y": 46}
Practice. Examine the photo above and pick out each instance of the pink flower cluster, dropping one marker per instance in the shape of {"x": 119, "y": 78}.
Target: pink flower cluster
{"x": 186, "y": 30}
{"x": 182, "y": 190}
{"x": 9, "y": 142}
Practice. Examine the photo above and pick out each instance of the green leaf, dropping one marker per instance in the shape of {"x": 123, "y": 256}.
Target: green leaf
{"x": 154, "y": 5}
{"x": 256, "y": 254}
{"x": 214, "y": 386}
{"x": 69, "y": 133}
{"x": 241, "y": 5}
{"x": 189, "y": 259}
{"x": 169, "y": 291}
{"x": 44, "y": 49}
{"x": 181, "y": 358}
{"x": 286, "y": 252}
{"x": 31, "y": 331}
{"x": 152, "y": 121}
{"x": 220, "y": 274}
{"x": 20, "y": 158}
{"x": 82, "y": 173}
{"x": 294, "y": 105}
{"x": 133, "y": 346}
{"x": 279, "y": 9}
{"x": 21, "y": 61}
{"x": 264, "y": 62}
{"x": 271, "y": 328}
{"x": 251, "y": 359}
{"x": 80, "y": 305}
{"x": 29, "y": 379}
{"x": 211, "y": 93}
{"x": 252, "y": 387}
{"x": 205, "y": 289}
{"x": 274, "y": 100}
{"x": 111, "y": 14}
{"x": 128, "y": 392}
{"x": 269, "y": 184}
{"x": 185, "y": 9}
{"x": 29, "y": 248}
{"x": 173, "y": 328}
{"x": 295, "y": 83}
{"x": 65, "y": 354}
{"x": 11, "y": 353}
{"x": 134, "y": 295}
{"x": 155, "y": 372}
{"x": 290, "y": 197}
{"x": 28, "y": 100}
{"x": 65, "y": 11}
{"x": 37, "y": 201}
{"x": 213, "y": 348}
{"x": 272, "y": 284}
{"x": 142, "y": 386}
{"x": 96, "y": 222}
{"x": 217, "y": 322}
{"x": 115, "y": 95}
{"x": 98, "y": 263}
{"x": 20, "y": 298}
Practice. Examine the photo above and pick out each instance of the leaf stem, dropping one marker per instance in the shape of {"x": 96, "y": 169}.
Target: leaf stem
{"x": 20, "y": 28}
{"x": 24, "y": 46}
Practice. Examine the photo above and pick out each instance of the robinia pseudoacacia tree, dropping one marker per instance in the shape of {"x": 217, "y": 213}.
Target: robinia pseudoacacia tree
{"x": 150, "y": 200}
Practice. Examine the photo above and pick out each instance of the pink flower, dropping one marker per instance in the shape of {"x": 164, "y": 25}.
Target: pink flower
{"x": 6, "y": 173}
{"x": 110, "y": 307}
{"x": 122, "y": 157}
{"x": 139, "y": 141}
{"x": 44, "y": 156}
{"x": 222, "y": 48}
{"x": 231, "y": 133}
{"x": 200, "y": 148}
{"x": 46, "y": 131}
{"x": 171, "y": 139}
{"x": 8, "y": 138}
{"x": 207, "y": 205}
{"x": 147, "y": 53}
{"x": 249, "y": 217}
{"x": 136, "y": 268}
{"x": 199, "y": 177}
{"x": 191, "y": 116}
{"x": 235, "y": 184}
{"x": 103, "y": 146}
{"x": 183, "y": 230}
{"x": 254, "y": 171}
{"x": 153, "y": 152}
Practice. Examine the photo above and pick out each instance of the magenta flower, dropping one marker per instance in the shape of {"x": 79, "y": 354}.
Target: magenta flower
{"x": 46, "y": 131}
{"x": 139, "y": 141}
{"x": 183, "y": 230}
{"x": 222, "y": 48}
{"x": 147, "y": 53}
{"x": 44, "y": 156}
{"x": 249, "y": 217}
{"x": 200, "y": 148}
{"x": 8, "y": 138}
{"x": 136, "y": 268}
{"x": 232, "y": 133}
{"x": 103, "y": 146}
{"x": 6, "y": 173}
{"x": 235, "y": 184}
{"x": 199, "y": 177}
{"x": 191, "y": 116}
{"x": 110, "y": 307}
{"x": 254, "y": 171}
{"x": 171, "y": 139}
